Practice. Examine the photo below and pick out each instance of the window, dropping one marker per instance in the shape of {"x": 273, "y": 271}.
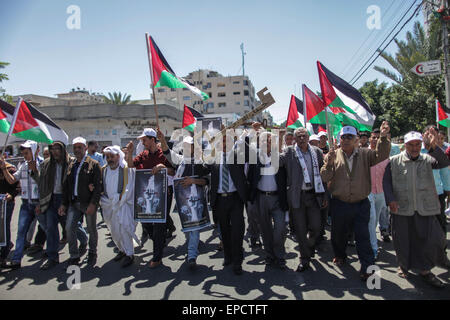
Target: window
{"x": 208, "y": 84}
{"x": 185, "y": 89}
{"x": 238, "y": 103}
{"x": 245, "y": 82}
{"x": 172, "y": 89}
{"x": 210, "y": 94}
{"x": 210, "y": 105}
{"x": 220, "y": 85}
{"x": 236, "y": 82}
{"x": 236, "y": 93}
{"x": 97, "y": 132}
{"x": 246, "y": 103}
{"x": 114, "y": 132}
{"x": 205, "y": 87}
{"x": 245, "y": 92}
{"x": 161, "y": 90}
{"x": 222, "y": 104}
{"x": 221, "y": 94}
{"x": 186, "y": 98}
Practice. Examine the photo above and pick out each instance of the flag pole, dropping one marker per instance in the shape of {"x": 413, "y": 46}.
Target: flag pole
{"x": 151, "y": 76}
{"x": 305, "y": 118}
{"x": 13, "y": 123}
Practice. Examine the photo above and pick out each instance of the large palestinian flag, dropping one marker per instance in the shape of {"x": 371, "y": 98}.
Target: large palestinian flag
{"x": 442, "y": 115}
{"x": 345, "y": 101}
{"x": 296, "y": 118}
{"x": 30, "y": 124}
{"x": 162, "y": 73}
{"x": 190, "y": 117}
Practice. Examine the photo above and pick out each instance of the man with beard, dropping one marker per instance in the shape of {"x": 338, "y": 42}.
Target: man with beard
{"x": 117, "y": 203}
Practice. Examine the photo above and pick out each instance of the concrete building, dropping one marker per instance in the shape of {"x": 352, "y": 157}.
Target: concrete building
{"x": 73, "y": 98}
{"x": 230, "y": 94}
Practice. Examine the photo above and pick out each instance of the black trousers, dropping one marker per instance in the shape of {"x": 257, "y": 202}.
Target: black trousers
{"x": 230, "y": 212}
{"x": 442, "y": 217}
{"x": 345, "y": 217}
{"x": 158, "y": 231}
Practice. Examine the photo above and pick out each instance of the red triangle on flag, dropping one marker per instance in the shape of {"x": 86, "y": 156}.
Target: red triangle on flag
{"x": 314, "y": 105}
{"x": 25, "y": 120}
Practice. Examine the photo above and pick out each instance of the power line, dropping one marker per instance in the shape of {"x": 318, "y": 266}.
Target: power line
{"x": 391, "y": 21}
{"x": 350, "y": 65}
{"x": 383, "y": 42}
{"x": 381, "y": 51}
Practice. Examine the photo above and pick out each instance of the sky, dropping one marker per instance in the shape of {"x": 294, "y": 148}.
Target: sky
{"x": 283, "y": 40}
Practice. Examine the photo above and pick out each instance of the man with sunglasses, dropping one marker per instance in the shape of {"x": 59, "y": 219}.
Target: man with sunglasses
{"x": 347, "y": 170}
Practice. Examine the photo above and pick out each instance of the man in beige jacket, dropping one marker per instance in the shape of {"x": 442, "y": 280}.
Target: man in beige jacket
{"x": 347, "y": 170}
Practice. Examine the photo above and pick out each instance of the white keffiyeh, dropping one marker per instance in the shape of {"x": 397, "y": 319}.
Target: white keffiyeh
{"x": 318, "y": 186}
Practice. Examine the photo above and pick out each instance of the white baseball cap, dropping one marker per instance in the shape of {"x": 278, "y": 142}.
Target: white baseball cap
{"x": 79, "y": 140}
{"x": 413, "y": 135}
{"x": 188, "y": 140}
{"x": 148, "y": 132}
{"x": 322, "y": 133}
{"x": 314, "y": 137}
{"x": 29, "y": 144}
{"x": 348, "y": 130}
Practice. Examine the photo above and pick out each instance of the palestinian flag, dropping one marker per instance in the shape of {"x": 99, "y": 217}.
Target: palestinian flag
{"x": 295, "y": 118}
{"x": 315, "y": 112}
{"x": 442, "y": 115}
{"x": 30, "y": 124}
{"x": 345, "y": 102}
{"x": 190, "y": 117}
{"x": 162, "y": 73}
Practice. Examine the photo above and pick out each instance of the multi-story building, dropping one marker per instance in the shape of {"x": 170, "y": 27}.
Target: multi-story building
{"x": 230, "y": 94}
{"x": 72, "y": 98}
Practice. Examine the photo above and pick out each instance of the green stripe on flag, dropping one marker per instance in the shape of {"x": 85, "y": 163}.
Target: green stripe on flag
{"x": 295, "y": 125}
{"x": 190, "y": 127}
{"x": 35, "y": 134}
{"x": 4, "y": 126}
{"x": 445, "y": 123}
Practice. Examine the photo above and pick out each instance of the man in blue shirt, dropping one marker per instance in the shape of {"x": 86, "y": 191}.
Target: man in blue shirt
{"x": 92, "y": 152}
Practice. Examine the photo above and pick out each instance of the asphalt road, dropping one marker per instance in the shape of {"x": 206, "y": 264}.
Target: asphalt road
{"x": 173, "y": 280}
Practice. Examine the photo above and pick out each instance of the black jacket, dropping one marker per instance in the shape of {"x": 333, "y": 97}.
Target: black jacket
{"x": 90, "y": 173}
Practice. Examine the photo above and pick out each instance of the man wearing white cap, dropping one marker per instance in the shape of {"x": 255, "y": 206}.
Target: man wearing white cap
{"x": 117, "y": 202}
{"x": 187, "y": 166}
{"x": 323, "y": 145}
{"x": 411, "y": 195}
{"x": 153, "y": 158}
{"x": 81, "y": 193}
{"x": 347, "y": 172}
{"x": 314, "y": 140}
{"x": 30, "y": 195}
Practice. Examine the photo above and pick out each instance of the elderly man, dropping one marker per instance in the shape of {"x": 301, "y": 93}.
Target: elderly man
{"x": 268, "y": 194}
{"x": 30, "y": 196}
{"x": 305, "y": 193}
{"x": 117, "y": 203}
{"x": 153, "y": 158}
{"x": 187, "y": 167}
{"x": 410, "y": 192}
{"x": 347, "y": 170}
{"x": 81, "y": 194}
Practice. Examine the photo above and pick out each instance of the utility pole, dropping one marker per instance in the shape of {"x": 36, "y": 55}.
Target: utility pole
{"x": 243, "y": 61}
{"x": 444, "y": 6}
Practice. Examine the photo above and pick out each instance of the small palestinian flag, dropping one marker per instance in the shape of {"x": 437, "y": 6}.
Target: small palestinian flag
{"x": 190, "y": 117}
{"x": 442, "y": 115}
{"x": 345, "y": 101}
{"x": 162, "y": 73}
{"x": 29, "y": 123}
{"x": 315, "y": 112}
{"x": 295, "y": 118}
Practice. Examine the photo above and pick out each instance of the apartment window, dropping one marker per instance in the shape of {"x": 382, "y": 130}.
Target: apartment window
{"x": 221, "y": 94}
{"x": 208, "y": 84}
{"x": 210, "y": 94}
{"x": 236, "y": 93}
{"x": 161, "y": 90}
{"x": 220, "y": 85}
{"x": 210, "y": 105}
{"x": 172, "y": 89}
{"x": 238, "y": 103}
{"x": 205, "y": 87}
{"x": 236, "y": 82}
{"x": 114, "y": 132}
{"x": 245, "y": 92}
{"x": 186, "y": 98}
{"x": 222, "y": 104}
{"x": 245, "y": 82}
{"x": 246, "y": 103}
{"x": 97, "y": 132}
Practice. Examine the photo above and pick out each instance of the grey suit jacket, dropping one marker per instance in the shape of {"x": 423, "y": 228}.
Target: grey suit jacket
{"x": 289, "y": 160}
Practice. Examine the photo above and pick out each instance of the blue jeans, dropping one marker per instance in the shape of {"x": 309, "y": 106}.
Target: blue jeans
{"x": 373, "y": 225}
{"x": 9, "y": 212}
{"x": 26, "y": 216}
{"x": 74, "y": 230}
{"x": 193, "y": 240}
{"x": 382, "y": 211}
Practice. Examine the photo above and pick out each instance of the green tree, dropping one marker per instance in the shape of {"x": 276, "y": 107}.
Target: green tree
{"x": 118, "y": 99}
{"x": 3, "y": 77}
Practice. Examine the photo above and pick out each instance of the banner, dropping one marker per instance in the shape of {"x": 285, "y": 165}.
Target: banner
{"x": 3, "y": 220}
{"x": 150, "y": 196}
{"x": 192, "y": 206}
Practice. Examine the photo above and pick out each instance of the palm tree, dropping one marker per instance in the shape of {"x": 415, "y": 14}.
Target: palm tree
{"x": 3, "y": 76}
{"x": 419, "y": 46}
{"x": 117, "y": 98}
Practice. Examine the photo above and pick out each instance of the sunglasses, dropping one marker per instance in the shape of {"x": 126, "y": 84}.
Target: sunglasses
{"x": 347, "y": 137}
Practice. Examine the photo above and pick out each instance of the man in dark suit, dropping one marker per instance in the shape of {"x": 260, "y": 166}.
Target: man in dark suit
{"x": 268, "y": 192}
{"x": 229, "y": 192}
{"x": 306, "y": 193}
